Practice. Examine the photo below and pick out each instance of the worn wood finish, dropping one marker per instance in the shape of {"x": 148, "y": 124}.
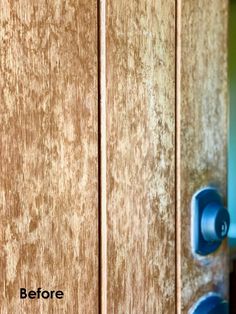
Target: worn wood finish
{"x": 140, "y": 156}
{"x": 49, "y": 171}
{"x": 202, "y": 128}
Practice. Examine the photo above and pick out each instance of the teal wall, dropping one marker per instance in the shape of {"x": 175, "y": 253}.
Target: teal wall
{"x": 232, "y": 121}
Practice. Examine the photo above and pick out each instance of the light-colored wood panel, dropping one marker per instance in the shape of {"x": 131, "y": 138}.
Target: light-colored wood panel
{"x": 140, "y": 80}
{"x": 202, "y": 136}
{"x": 48, "y": 162}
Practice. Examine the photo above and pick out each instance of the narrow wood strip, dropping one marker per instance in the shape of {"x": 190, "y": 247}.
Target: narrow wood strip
{"x": 103, "y": 154}
{"x": 178, "y": 154}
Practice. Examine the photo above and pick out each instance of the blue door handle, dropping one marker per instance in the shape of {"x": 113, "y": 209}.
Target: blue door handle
{"x": 215, "y": 222}
{"x": 210, "y": 221}
{"x": 211, "y": 303}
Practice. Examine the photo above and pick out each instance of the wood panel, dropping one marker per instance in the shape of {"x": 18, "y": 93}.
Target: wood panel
{"x": 202, "y": 136}
{"x": 48, "y": 159}
{"x": 140, "y": 78}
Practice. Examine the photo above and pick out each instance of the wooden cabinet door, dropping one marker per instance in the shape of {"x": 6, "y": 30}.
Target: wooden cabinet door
{"x": 113, "y": 114}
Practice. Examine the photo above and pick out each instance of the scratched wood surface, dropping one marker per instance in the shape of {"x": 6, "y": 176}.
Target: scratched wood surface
{"x": 48, "y": 154}
{"x": 202, "y": 128}
{"x": 140, "y": 156}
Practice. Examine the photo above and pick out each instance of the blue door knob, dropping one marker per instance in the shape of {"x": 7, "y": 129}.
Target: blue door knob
{"x": 215, "y": 222}
{"x": 210, "y": 304}
{"x": 210, "y": 221}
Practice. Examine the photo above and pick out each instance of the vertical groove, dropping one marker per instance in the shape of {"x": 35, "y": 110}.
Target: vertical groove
{"x": 178, "y": 151}
{"x": 102, "y": 156}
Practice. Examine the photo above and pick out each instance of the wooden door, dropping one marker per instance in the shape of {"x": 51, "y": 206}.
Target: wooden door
{"x": 113, "y": 113}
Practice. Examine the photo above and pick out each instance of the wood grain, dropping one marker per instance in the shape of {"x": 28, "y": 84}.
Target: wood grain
{"x": 202, "y": 136}
{"x": 48, "y": 159}
{"x": 140, "y": 156}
